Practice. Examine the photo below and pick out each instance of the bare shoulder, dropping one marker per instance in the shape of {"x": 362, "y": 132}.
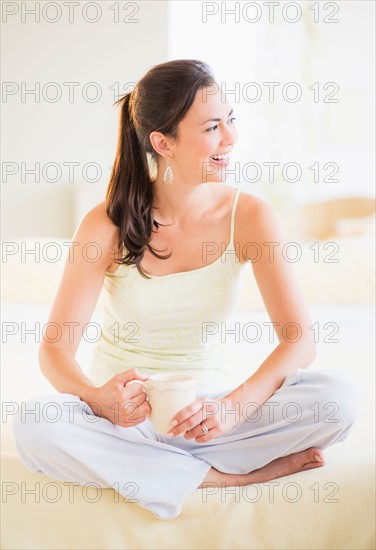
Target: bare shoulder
{"x": 98, "y": 216}
{"x": 256, "y": 220}
{"x": 96, "y": 227}
{"x": 253, "y": 212}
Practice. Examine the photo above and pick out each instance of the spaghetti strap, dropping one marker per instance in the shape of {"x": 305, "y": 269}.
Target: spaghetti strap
{"x": 234, "y": 204}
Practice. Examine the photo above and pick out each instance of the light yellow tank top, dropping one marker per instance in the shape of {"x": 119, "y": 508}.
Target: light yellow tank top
{"x": 170, "y": 323}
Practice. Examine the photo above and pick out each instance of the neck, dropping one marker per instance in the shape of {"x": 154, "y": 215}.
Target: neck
{"x": 175, "y": 202}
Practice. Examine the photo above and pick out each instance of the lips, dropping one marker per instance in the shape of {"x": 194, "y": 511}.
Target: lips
{"x": 220, "y": 155}
{"x": 222, "y": 159}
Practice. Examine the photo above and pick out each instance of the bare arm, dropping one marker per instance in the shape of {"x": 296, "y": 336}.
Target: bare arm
{"x": 283, "y": 301}
{"x": 75, "y": 301}
{"x": 72, "y": 309}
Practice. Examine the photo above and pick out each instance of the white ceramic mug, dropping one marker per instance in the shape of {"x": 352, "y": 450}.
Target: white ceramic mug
{"x": 168, "y": 393}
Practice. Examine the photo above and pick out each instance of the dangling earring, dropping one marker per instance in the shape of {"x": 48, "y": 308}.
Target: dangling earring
{"x": 168, "y": 175}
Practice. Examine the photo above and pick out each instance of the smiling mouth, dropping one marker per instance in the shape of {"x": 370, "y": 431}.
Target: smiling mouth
{"x": 221, "y": 159}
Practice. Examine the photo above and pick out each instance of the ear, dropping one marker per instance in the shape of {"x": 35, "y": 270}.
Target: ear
{"x": 161, "y": 144}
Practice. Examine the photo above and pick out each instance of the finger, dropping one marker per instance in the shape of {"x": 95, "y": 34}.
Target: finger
{"x": 134, "y": 389}
{"x": 191, "y": 426}
{"x": 137, "y": 383}
{"x": 128, "y": 375}
{"x": 134, "y": 421}
{"x": 136, "y": 401}
{"x": 132, "y": 408}
{"x": 204, "y": 438}
{"x": 145, "y": 408}
{"x": 132, "y": 411}
{"x": 185, "y": 419}
{"x": 197, "y": 430}
{"x": 212, "y": 433}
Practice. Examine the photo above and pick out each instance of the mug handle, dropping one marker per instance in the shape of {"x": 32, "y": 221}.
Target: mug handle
{"x": 136, "y": 382}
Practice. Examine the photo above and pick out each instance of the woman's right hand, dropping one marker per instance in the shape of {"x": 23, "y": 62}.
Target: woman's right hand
{"x": 126, "y": 407}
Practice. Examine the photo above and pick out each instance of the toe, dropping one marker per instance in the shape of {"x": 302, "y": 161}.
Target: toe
{"x": 311, "y": 465}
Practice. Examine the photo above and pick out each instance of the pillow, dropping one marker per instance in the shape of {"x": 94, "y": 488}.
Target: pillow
{"x": 350, "y": 280}
{"x": 345, "y": 227}
{"x": 329, "y": 219}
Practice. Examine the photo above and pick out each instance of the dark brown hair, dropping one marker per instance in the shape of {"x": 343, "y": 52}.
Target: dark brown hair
{"x": 159, "y": 101}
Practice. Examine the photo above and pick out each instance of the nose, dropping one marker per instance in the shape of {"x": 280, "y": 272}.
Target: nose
{"x": 229, "y": 136}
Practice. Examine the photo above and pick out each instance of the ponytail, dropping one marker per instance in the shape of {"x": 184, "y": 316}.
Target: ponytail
{"x": 129, "y": 196}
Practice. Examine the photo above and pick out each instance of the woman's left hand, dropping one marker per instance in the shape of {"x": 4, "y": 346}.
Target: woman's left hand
{"x": 218, "y": 415}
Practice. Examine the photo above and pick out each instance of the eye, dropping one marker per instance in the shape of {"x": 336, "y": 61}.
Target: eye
{"x": 216, "y": 126}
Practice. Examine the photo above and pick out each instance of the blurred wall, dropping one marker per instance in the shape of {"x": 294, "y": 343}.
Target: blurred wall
{"x": 69, "y": 124}
{"x": 77, "y": 69}
{"x": 264, "y": 58}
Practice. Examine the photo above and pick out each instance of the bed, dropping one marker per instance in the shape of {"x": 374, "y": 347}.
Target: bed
{"x": 326, "y": 508}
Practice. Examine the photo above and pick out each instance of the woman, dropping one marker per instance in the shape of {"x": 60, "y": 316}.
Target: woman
{"x": 174, "y": 241}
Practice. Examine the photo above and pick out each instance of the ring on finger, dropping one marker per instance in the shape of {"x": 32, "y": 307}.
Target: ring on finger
{"x": 204, "y": 428}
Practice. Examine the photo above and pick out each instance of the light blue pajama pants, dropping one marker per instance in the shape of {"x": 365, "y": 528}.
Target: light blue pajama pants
{"x": 64, "y": 439}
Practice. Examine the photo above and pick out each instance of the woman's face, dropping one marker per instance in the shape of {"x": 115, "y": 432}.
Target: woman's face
{"x": 200, "y": 137}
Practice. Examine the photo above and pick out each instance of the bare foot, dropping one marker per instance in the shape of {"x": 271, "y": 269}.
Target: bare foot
{"x": 286, "y": 465}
